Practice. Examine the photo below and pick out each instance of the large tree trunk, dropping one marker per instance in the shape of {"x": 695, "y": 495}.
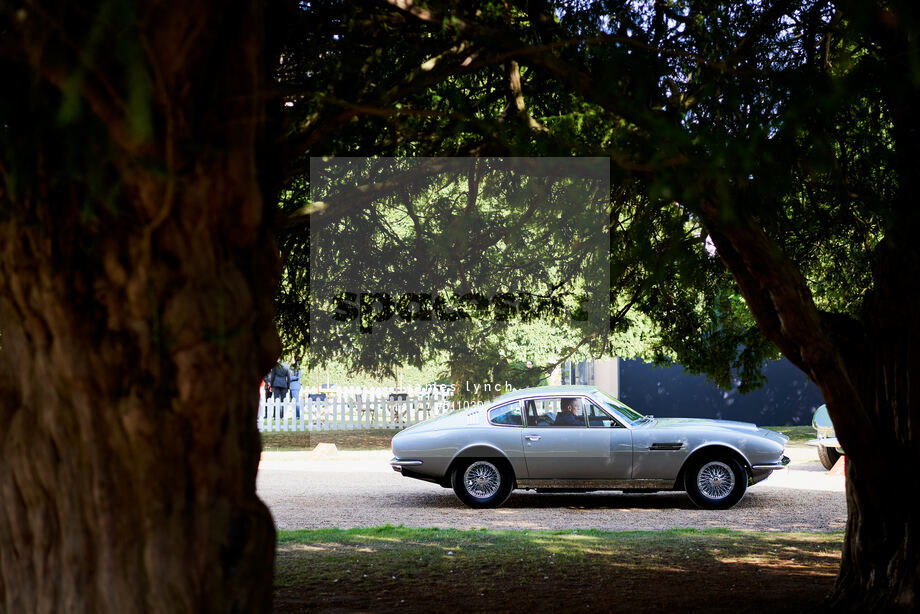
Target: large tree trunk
{"x": 136, "y": 318}
{"x": 864, "y": 369}
{"x": 880, "y": 568}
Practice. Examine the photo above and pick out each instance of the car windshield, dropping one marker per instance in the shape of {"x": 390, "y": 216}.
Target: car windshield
{"x": 618, "y": 406}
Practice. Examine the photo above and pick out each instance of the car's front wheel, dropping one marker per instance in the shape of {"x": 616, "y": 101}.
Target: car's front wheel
{"x": 828, "y": 457}
{"x": 715, "y": 482}
{"x": 482, "y": 483}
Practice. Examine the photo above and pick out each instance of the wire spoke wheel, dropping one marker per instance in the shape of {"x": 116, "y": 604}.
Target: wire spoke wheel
{"x": 715, "y": 480}
{"x": 482, "y": 479}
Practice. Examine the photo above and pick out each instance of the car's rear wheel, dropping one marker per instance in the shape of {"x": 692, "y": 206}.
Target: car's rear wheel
{"x": 828, "y": 457}
{"x": 482, "y": 483}
{"x": 715, "y": 482}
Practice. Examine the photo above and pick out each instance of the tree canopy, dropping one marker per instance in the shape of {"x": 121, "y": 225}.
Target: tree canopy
{"x": 682, "y": 99}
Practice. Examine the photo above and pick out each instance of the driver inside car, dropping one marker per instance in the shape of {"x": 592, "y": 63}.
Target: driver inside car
{"x": 570, "y": 414}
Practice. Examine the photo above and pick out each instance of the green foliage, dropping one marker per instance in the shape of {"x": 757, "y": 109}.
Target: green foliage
{"x": 494, "y": 253}
{"x": 776, "y": 111}
{"x": 63, "y": 136}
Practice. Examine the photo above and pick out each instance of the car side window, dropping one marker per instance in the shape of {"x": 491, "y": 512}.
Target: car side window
{"x": 508, "y": 414}
{"x": 542, "y": 412}
{"x": 551, "y": 412}
{"x": 598, "y": 418}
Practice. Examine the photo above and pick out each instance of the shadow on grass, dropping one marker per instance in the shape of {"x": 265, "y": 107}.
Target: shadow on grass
{"x": 414, "y": 570}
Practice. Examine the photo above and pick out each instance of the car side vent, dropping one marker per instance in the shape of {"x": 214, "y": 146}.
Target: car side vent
{"x": 677, "y": 445}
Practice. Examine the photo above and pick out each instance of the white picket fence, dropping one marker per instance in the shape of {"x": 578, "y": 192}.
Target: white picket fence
{"x": 351, "y": 408}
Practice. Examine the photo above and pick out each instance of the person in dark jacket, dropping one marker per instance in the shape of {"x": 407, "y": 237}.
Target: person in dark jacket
{"x": 280, "y": 380}
{"x": 268, "y": 391}
{"x": 570, "y": 414}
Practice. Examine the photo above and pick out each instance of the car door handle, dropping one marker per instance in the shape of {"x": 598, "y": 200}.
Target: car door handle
{"x": 533, "y": 437}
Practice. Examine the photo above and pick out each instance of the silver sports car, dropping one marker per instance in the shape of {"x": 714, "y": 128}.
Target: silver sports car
{"x": 578, "y": 439}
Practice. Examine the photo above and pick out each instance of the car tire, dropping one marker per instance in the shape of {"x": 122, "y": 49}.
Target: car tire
{"x": 715, "y": 482}
{"x": 828, "y": 456}
{"x": 482, "y": 482}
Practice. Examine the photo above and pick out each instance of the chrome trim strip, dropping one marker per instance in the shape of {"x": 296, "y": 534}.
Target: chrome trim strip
{"x": 595, "y": 484}
{"x": 828, "y": 442}
{"x": 397, "y": 463}
{"x": 773, "y": 466}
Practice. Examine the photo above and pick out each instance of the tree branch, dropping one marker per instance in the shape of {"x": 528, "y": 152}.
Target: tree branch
{"x": 516, "y": 96}
{"x": 781, "y": 302}
{"x": 321, "y": 213}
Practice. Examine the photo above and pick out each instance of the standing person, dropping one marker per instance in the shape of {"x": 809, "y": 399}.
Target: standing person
{"x": 268, "y": 391}
{"x": 280, "y": 381}
{"x": 295, "y": 384}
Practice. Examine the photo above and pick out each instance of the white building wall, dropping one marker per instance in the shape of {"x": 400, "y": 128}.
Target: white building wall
{"x": 607, "y": 376}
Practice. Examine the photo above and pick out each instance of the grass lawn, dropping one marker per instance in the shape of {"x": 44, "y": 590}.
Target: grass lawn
{"x": 797, "y": 434}
{"x": 424, "y": 570}
{"x": 366, "y": 439}
{"x": 379, "y": 439}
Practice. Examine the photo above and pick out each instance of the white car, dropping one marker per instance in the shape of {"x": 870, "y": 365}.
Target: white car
{"x": 829, "y": 450}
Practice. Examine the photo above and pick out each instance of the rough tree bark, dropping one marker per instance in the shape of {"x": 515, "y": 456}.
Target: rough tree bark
{"x": 134, "y": 335}
{"x": 864, "y": 370}
{"x": 880, "y": 569}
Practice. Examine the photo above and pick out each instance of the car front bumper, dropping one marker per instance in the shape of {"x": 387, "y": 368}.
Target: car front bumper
{"x": 827, "y": 442}
{"x": 781, "y": 464}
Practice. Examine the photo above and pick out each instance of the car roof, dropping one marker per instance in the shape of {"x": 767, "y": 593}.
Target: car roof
{"x": 550, "y": 390}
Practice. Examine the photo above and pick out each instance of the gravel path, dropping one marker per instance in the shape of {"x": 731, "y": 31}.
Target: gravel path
{"x": 358, "y": 489}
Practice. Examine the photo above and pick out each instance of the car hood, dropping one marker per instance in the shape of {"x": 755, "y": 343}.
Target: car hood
{"x": 730, "y": 425}
{"x": 667, "y": 423}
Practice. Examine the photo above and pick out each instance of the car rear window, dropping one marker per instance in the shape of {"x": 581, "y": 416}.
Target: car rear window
{"x": 508, "y": 414}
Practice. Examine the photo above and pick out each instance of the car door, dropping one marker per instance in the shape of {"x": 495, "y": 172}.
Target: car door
{"x": 597, "y": 448}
